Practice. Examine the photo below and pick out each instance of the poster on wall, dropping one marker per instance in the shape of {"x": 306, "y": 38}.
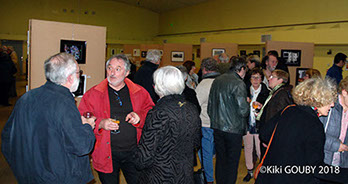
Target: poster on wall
{"x": 300, "y": 73}
{"x": 217, "y": 52}
{"x": 291, "y": 57}
{"x": 75, "y": 48}
{"x": 178, "y": 56}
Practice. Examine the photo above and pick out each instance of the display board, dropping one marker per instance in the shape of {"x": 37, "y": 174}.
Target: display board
{"x": 44, "y": 41}
{"x": 176, "y": 54}
{"x": 296, "y": 55}
{"x": 211, "y": 49}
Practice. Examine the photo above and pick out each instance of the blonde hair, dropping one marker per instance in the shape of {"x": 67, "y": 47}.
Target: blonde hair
{"x": 343, "y": 85}
{"x": 315, "y": 92}
{"x": 313, "y": 73}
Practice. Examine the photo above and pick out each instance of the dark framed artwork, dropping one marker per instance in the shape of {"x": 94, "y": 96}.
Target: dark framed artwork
{"x": 178, "y": 56}
{"x": 81, "y": 90}
{"x": 243, "y": 53}
{"x": 143, "y": 54}
{"x": 256, "y": 52}
{"x": 217, "y": 51}
{"x": 300, "y": 73}
{"x": 291, "y": 57}
{"x": 198, "y": 53}
{"x": 75, "y": 48}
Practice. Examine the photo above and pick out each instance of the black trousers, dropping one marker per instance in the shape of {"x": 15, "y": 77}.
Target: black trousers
{"x": 4, "y": 93}
{"x": 121, "y": 161}
{"x": 228, "y": 147}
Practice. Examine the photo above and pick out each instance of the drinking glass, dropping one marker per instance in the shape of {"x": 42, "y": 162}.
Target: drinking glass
{"x": 115, "y": 120}
{"x": 87, "y": 114}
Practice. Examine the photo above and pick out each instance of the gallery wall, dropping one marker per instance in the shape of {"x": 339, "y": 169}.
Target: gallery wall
{"x": 170, "y": 49}
{"x": 45, "y": 37}
{"x": 306, "y": 52}
{"x": 125, "y": 23}
{"x": 208, "y": 49}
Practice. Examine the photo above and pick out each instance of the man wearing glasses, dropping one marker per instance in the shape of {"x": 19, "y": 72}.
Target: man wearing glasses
{"x": 120, "y": 107}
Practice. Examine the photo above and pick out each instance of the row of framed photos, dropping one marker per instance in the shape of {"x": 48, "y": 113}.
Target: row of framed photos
{"x": 78, "y": 50}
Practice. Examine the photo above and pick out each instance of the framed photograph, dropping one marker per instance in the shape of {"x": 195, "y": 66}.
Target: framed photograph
{"x": 256, "y": 52}
{"x": 243, "y": 53}
{"x": 178, "y": 56}
{"x": 143, "y": 54}
{"x": 217, "y": 52}
{"x": 300, "y": 73}
{"x": 136, "y": 52}
{"x": 291, "y": 57}
{"x": 75, "y": 48}
{"x": 81, "y": 90}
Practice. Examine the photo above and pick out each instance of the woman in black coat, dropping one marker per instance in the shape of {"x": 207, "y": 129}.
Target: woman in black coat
{"x": 296, "y": 152}
{"x": 172, "y": 130}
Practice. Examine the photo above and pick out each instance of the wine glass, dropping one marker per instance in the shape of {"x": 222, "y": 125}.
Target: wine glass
{"x": 87, "y": 114}
{"x": 115, "y": 120}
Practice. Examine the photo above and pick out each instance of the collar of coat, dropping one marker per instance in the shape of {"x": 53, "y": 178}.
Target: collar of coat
{"x": 133, "y": 88}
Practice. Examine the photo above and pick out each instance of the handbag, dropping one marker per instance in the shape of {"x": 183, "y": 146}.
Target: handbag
{"x": 199, "y": 175}
{"x": 257, "y": 170}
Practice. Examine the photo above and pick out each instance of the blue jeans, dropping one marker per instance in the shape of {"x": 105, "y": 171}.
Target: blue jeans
{"x": 208, "y": 152}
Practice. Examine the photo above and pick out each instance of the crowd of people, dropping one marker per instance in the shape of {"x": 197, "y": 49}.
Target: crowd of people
{"x": 149, "y": 125}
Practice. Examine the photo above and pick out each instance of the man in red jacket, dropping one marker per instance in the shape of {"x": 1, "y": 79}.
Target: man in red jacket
{"x": 116, "y": 98}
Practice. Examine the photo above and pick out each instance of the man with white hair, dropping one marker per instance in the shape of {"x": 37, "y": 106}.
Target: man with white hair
{"x": 45, "y": 140}
{"x": 144, "y": 77}
{"x": 118, "y": 104}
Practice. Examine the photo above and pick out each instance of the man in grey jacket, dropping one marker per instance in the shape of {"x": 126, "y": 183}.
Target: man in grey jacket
{"x": 228, "y": 110}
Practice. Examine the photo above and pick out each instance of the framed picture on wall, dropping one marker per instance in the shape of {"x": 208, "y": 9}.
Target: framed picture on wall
{"x": 242, "y": 53}
{"x": 136, "y": 52}
{"x": 291, "y": 57}
{"x": 178, "y": 56}
{"x": 143, "y": 54}
{"x": 217, "y": 51}
{"x": 75, "y": 48}
{"x": 256, "y": 52}
{"x": 82, "y": 86}
{"x": 300, "y": 73}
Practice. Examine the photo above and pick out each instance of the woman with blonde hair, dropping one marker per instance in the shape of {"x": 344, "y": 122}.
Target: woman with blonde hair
{"x": 298, "y": 136}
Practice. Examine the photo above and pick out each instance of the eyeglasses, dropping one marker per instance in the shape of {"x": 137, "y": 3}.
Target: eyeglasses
{"x": 118, "y": 98}
{"x": 272, "y": 76}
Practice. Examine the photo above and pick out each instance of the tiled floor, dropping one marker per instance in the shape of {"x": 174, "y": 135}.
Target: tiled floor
{"x": 6, "y": 176}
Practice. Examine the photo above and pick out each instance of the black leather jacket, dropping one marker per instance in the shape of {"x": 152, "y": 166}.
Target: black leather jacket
{"x": 228, "y": 108}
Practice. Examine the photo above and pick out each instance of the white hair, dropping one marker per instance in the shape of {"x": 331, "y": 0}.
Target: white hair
{"x": 58, "y": 67}
{"x": 153, "y": 55}
{"x": 122, "y": 57}
{"x": 168, "y": 81}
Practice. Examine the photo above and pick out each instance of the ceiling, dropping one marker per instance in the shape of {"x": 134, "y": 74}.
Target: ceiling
{"x": 161, "y": 6}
